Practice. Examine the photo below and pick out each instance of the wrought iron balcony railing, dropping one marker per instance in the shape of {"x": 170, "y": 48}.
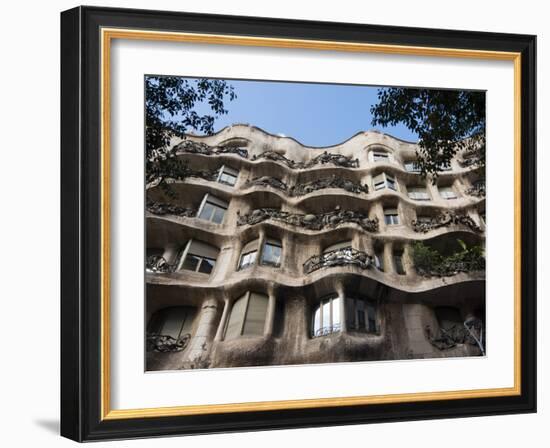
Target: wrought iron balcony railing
{"x": 346, "y": 256}
{"x": 161, "y": 208}
{"x": 158, "y": 264}
{"x": 192, "y": 147}
{"x": 322, "y": 159}
{"x": 310, "y": 221}
{"x": 444, "y": 220}
{"x": 324, "y": 331}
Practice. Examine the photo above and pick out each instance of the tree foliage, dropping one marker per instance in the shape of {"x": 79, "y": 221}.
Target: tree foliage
{"x": 171, "y": 104}
{"x": 446, "y": 121}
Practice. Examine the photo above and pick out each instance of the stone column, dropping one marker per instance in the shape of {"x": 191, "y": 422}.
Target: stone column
{"x": 198, "y": 346}
{"x": 261, "y": 242}
{"x": 388, "y": 258}
{"x": 270, "y": 315}
{"x": 223, "y": 320}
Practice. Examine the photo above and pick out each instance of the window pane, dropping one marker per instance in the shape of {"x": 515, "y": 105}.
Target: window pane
{"x": 191, "y": 262}
{"x": 174, "y": 318}
{"x": 236, "y": 318}
{"x": 255, "y": 315}
{"x": 317, "y": 324}
{"x": 218, "y": 215}
{"x": 379, "y": 262}
{"x": 271, "y": 254}
{"x": 371, "y": 312}
{"x": 207, "y": 265}
{"x": 336, "y": 314}
{"x": 399, "y": 264}
{"x": 247, "y": 259}
{"x": 228, "y": 179}
{"x": 391, "y": 183}
{"x": 206, "y": 211}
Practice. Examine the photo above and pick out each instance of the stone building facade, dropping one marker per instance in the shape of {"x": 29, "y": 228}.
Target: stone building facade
{"x": 268, "y": 252}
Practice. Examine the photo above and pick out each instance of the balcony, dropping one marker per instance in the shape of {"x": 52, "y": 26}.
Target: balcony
{"x": 426, "y": 224}
{"x": 322, "y": 159}
{"x": 310, "y": 221}
{"x": 346, "y": 256}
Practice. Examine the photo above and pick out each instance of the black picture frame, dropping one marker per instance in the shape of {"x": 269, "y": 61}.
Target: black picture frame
{"x": 81, "y": 224}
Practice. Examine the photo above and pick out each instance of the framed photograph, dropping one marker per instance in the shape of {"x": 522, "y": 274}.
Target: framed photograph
{"x": 273, "y": 223}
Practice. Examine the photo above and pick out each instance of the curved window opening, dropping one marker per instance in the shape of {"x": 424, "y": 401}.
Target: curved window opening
{"x": 248, "y": 316}
{"x": 361, "y": 315}
{"x": 326, "y": 317}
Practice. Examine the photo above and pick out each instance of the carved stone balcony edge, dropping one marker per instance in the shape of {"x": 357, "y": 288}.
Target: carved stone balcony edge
{"x": 322, "y": 159}
{"x": 346, "y": 256}
{"x": 310, "y": 221}
{"x": 477, "y": 191}
{"x": 158, "y": 264}
{"x": 444, "y": 220}
{"x": 207, "y": 150}
{"x": 161, "y": 209}
{"x": 308, "y": 187}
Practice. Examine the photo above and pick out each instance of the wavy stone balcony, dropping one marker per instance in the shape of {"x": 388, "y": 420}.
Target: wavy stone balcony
{"x": 444, "y": 220}
{"x": 308, "y": 187}
{"x": 164, "y": 209}
{"x": 346, "y": 256}
{"x": 322, "y": 159}
{"x": 310, "y": 221}
{"x": 193, "y": 147}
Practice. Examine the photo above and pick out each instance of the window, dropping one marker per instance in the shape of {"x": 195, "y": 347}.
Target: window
{"x": 360, "y": 315}
{"x": 271, "y": 253}
{"x": 199, "y": 257}
{"x": 326, "y": 317}
{"x": 398, "y": 263}
{"x": 379, "y": 261}
{"x": 249, "y": 253}
{"x": 391, "y": 217}
{"x": 384, "y": 180}
{"x": 248, "y": 259}
{"x": 418, "y": 193}
{"x": 447, "y": 193}
{"x": 248, "y": 315}
{"x": 175, "y": 322}
{"x": 412, "y": 167}
{"x": 444, "y": 167}
{"x": 380, "y": 156}
{"x": 448, "y": 317}
{"x": 213, "y": 209}
{"x": 228, "y": 176}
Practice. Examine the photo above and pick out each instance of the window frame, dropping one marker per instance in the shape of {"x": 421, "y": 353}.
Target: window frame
{"x": 215, "y": 204}
{"x": 242, "y": 323}
{"x": 334, "y": 327}
{"x": 272, "y": 243}
{"x": 387, "y": 180}
{"x": 225, "y": 170}
{"x": 413, "y": 190}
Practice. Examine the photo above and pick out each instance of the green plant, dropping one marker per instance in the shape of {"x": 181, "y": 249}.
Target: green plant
{"x": 430, "y": 262}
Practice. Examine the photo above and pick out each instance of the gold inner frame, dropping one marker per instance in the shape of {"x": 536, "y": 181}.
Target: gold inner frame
{"x": 107, "y": 35}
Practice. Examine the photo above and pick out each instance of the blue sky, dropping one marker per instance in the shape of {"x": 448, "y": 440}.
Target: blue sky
{"x": 313, "y": 114}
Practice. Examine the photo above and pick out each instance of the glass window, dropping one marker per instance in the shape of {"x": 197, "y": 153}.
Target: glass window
{"x": 199, "y": 257}
{"x": 398, "y": 263}
{"x": 326, "y": 317}
{"x": 379, "y": 156}
{"x": 384, "y": 180}
{"x": 447, "y": 193}
{"x": 338, "y": 246}
{"x": 213, "y": 209}
{"x": 174, "y": 321}
{"x": 379, "y": 261}
{"x": 361, "y": 315}
{"x": 448, "y": 317}
{"x": 248, "y": 315}
{"x": 248, "y": 259}
{"x": 418, "y": 193}
{"x": 271, "y": 253}
{"x": 228, "y": 176}
{"x": 391, "y": 217}
{"x": 412, "y": 167}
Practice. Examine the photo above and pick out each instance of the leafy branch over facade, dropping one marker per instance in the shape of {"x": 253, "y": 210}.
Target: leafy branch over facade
{"x": 446, "y": 121}
{"x": 171, "y": 109}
